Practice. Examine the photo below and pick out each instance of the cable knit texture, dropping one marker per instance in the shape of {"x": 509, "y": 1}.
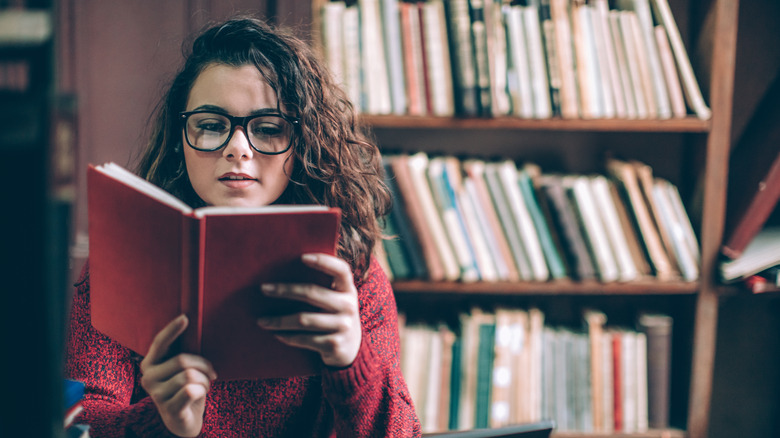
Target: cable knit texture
{"x": 367, "y": 399}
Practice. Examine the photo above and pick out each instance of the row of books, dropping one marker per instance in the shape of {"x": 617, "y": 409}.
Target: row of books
{"x": 536, "y": 59}
{"x": 474, "y": 220}
{"x": 507, "y": 367}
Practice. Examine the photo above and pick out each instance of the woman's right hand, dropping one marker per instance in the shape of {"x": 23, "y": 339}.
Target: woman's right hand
{"x": 177, "y": 385}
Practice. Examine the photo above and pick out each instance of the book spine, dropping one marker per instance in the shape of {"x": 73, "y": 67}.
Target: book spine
{"x": 464, "y": 66}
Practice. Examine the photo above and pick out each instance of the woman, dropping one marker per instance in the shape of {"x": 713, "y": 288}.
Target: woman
{"x": 252, "y": 118}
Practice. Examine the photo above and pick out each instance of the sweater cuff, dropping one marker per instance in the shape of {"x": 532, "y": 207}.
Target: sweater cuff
{"x": 347, "y": 382}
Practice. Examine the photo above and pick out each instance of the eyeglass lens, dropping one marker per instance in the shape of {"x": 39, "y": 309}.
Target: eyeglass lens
{"x": 210, "y": 131}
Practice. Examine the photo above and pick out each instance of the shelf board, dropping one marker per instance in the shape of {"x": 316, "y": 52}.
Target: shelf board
{"x": 689, "y": 124}
{"x": 558, "y": 287}
{"x": 653, "y": 433}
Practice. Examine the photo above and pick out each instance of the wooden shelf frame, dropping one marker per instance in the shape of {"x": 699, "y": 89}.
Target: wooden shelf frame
{"x": 558, "y": 287}
{"x": 685, "y": 125}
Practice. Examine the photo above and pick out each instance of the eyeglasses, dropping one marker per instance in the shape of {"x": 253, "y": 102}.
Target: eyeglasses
{"x": 208, "y": 131}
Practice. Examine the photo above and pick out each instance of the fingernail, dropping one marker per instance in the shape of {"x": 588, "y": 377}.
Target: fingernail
{"x": 309, "y": 258}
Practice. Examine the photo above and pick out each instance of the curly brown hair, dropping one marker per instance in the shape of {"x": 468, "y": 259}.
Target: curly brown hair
{"x": 335, "y": 163}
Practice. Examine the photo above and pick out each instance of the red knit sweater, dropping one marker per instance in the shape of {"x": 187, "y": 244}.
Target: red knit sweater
{"x": 367, "y": 399}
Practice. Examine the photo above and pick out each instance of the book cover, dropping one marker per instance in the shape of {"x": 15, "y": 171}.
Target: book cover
{"x": 663, "y": 14}
{"x": 464, "y": 71}
{"x": 392, "y": 38}
{"x": 754, "y": 183}
{"x": 519, "y": 66}
{"x": 477, "y": 186}
{"x": 416, "y": 214}
{"x": 565, "y": 218}
{"x": 411, "y": 40}
{"x": 508, "y": 223}
{"x": 409, "y": 243}
{"x": 559, "y": 14}
{"x": 622, "y": 61}
{"x": 657, "y": 329}
{"x": 539, "y": 85}
{"x": 153, "y": 258}
{"x": 479, "y": 34}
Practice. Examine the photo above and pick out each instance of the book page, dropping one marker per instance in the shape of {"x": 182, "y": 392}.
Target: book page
{"x": 266, "y": 209}
{"x": 125, "y": 176}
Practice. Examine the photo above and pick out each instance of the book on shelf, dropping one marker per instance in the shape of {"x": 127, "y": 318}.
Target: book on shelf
{"x": 411, "y": 39}
{"x": 568, "y": 228}
{"x": 635, "y": 61}
{"x": 586, "y": 62}
{"x": 497, "y": 58}
{"x": 464, "y": 68}
{"x": 393, "y": 49}
{"x": 519, "y": 67}
{"x": 136, "y": 227}
{"x": 352, "y": 58}
{"x": 478, "y": 188}
{"x": 436, "y": 56}
{"x": 658, "y": 333}
{"x": 376, "y": 83}
{"x": 536, "y": 57}
{"x": 606, "y": 59}
{"x": 417, "y": 216}
{"x": 564, "y": 55}
{"x": 551, "y": 57}
{"x": 647, "y": 46}
{"x": 479, "y": 34}
{"x": 663, "y": 15}
{"x": 622, "y": 62}
{"x": 763, "y": 252}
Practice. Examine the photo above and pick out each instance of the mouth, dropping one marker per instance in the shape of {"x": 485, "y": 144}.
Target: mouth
{"x": 236, "y": 177}
{"x": 237, "y": 181}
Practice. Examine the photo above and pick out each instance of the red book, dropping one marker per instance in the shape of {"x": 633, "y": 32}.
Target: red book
{"x": 760, "y": 194}
{"x": 153, "y": 258}
{"x": 617, "y": 385}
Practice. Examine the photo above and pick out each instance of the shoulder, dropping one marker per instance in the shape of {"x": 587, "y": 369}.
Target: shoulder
{"x": 374, "y": 280}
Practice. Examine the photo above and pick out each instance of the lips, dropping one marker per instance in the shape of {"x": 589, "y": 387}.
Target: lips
{"x": 237, "y": 180}
{"x": 236, "y": 177}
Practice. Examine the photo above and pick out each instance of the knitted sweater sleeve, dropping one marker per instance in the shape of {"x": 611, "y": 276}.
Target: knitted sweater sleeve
{"x": 109, "y": 372}
{"x": 370, "y": 397}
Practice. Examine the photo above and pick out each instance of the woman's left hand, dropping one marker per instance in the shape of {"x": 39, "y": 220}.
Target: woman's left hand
{"x": 334, "y": 332}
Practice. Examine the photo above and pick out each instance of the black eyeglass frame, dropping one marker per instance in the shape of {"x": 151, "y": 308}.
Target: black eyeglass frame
{"x": 244, "y": 123}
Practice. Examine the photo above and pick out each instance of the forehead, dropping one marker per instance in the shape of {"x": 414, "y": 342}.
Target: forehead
{"x": 235, "y": 89}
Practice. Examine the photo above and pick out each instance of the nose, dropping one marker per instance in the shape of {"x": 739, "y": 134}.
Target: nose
{"x": 238, "y": 148}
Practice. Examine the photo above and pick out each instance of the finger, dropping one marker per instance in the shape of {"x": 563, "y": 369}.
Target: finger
{"x": 335, "y": 350}
{"x": 186, "y": 396}
{"x": 317, "y": 296}
{"x": 165, "y": 392}
{"x": 312, "y": 322}
{"x": 163, "y": 340}
{"x": 177, "y": 364}
{"x": 333, "y": 266}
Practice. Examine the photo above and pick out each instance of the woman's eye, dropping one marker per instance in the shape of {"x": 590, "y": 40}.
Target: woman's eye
{"x": 212, "y": 126}
{"x": 267, "y": 130}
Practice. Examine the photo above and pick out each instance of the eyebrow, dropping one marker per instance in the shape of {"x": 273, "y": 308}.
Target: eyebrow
{"x": 221, "y": 110}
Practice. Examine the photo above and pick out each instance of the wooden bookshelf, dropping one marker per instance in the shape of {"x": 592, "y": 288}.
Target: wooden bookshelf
{"x": 710, "y": 37}
{"x": 558, "y": 287}
{"x": 688, "y": 124}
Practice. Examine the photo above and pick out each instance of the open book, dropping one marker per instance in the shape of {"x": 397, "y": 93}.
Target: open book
{"x": 152, "y": 258}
